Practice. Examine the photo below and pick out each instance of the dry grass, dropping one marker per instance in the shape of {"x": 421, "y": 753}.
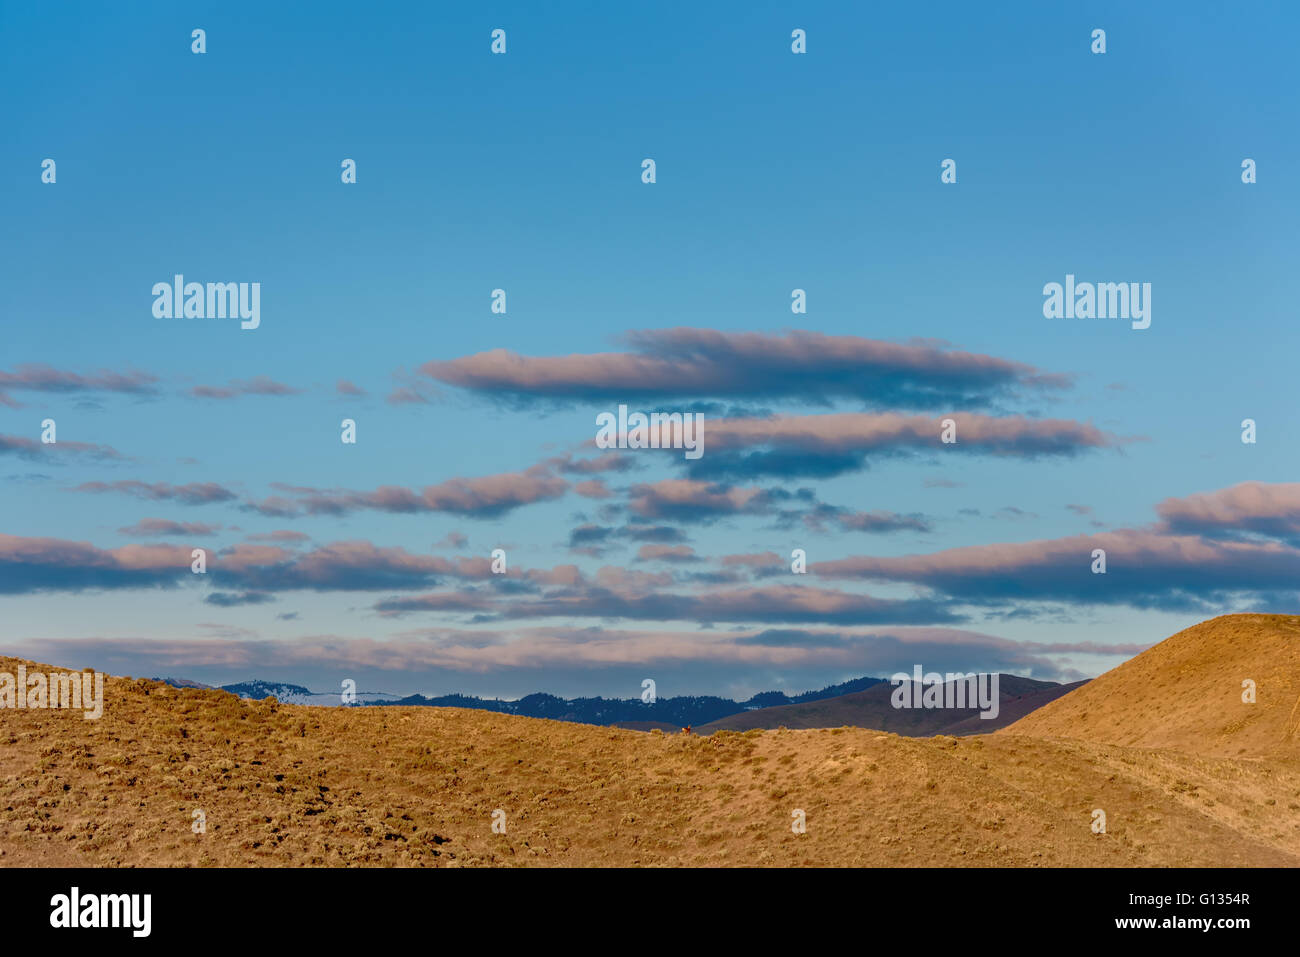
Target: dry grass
{"x": 1185, "y": 693}
{"x": 289, "y": 785}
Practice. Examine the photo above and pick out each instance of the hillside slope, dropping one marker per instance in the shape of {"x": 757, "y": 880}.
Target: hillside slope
{"x": 1186, "y": 693}
{"x": 286, "y": 785}
{"x": 873, "y": 709}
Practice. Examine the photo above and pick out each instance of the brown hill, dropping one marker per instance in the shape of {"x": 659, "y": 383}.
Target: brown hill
{"x": 286, "y": 785}
{"x": 1186, "y": 693}
{"x": 873, "y": 709}
{"x": 1014, "y": 707}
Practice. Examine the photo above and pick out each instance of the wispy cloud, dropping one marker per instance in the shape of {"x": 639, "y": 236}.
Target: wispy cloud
{"x": 37, "y": 377}
{"x": 149, "y": 527}
{"x": 53, "y": 452}
{"x": 822, "y": 446}
{"x": 259, "y": 385}
{"x": 191, "y": 493}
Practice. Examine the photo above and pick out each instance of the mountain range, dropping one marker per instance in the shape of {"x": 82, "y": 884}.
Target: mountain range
{"x": 664, "y": 713}
{"x": 873, "y": 708}
{"x": 861, "y": 702}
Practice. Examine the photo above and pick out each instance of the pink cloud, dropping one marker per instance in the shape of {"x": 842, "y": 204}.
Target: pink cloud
{"x": 800, "y": 364}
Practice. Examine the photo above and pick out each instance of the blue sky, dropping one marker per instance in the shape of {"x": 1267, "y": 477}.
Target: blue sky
{"x": 522, "y": 171}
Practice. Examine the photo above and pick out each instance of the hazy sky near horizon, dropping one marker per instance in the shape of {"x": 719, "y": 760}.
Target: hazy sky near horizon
{"x": 774, "y": 171}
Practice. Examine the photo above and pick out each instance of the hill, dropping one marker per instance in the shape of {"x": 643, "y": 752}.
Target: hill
{"x": 291, "y": 785}
{"x": 873, "y": 709}
{"x": 1186, "y": 693}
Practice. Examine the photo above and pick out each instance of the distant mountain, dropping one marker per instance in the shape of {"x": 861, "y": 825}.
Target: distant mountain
{"x": 674, "y": 712}
{"x": 183, "y": 683}
{"x": 768, "y": 699}
{"x": 258, "y": 690}
{"x": 1012, "y": 709}
{"x": 873, "y": 708}
{"x": 297, "y": 694}
{"x": 664, "y": 713}
{"x": 860, "y": 702}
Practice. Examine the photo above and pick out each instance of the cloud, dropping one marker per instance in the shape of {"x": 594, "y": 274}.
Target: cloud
{"x": 192, "y": 493}
{"x": 344, "y": 387}
{"x": 259, "y": 385}
{"x": 485, "y": 496}
{"x": 591, "y": 539}
{"x": 231, "y": 599}
{"x": 31, "y": 449}
{"x": 1156, "y": 567}
{"x": 666, "y": 553}
{"x": 877, "y": 522}
{"x": 687, "y": 499}
{"x": 273, "y": 506}
{"x": 608, "y": 462}
{"x": 618, "y": 592}
{"x": 36, "y": 377}
{"x": 542, "y": 652}
{"x": 1234, "y": 549}
{"x": 404, "y": 395}
{"x": 47, "y": 564}
{"x": 1013, "y": 513}
{"x": 455, "y": 540}
{"x": 754, "y": 560}
{"x": 823, "y": 446}
{"x": 1144, "y": 569}
{"x": 1250, "y": 508}
{"x": 163, "y": 527}
{"x": 589, "y": 534}
{"x": 218, "y": 630}
{"x": 282, "y": 535}
{"x": 653, "y": 533}
{"x": 801, "y": 366}
{"x": 592, "y": 488}
{"x": 772, "y": 603}
{"x": 30, "y": 565}
{"x": 338, "y": 566}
